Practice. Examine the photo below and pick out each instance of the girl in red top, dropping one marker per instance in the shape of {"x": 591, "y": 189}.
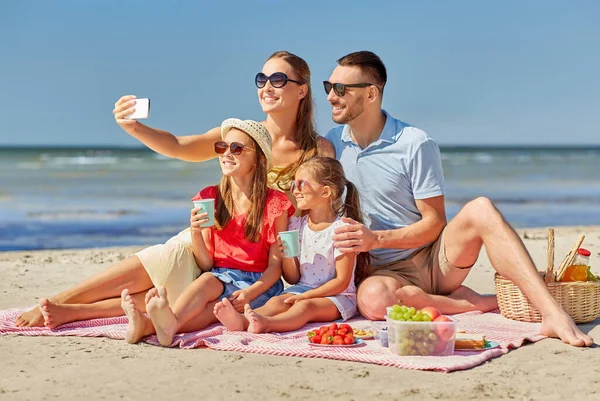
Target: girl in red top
{"x": 239, "y": 254}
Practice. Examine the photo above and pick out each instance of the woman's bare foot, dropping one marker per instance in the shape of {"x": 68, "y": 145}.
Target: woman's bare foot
{"x": 228, "y": 316}
{"x": 164, "y": 320}
{"x": 560, "y": 325}
{"x": 58, "y": 314}
{"x": 136, "y": 326}
{"x": 31, "y": 318}
{"x": 484, "y": 303}
{"x": 256, "y": 323}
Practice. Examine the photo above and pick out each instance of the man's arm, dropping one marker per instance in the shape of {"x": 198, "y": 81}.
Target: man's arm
{"x": 356, "y": 237}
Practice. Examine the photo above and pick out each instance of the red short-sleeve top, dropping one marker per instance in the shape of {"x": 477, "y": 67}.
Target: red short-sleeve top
{"x": 229, "y": 246}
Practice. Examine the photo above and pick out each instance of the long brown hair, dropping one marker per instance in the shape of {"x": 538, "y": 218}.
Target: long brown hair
{"x": 306, "y": 134}
{"x": 258, "y": 198}
{"x": 329, "y": 172}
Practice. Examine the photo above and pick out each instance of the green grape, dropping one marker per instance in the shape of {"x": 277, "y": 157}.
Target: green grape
{"x": 412, "y": 310}
{"x": 432, "y": 336}
{"x": 396, "y": 308}
{"x": 414, "y": 318}
{"x": 426, "y": 318}
{"x": 404, "y": 308}
{"x": 396, "y": 316}
{"x": 419, "y": 316}
{"x": 407, "y": 316}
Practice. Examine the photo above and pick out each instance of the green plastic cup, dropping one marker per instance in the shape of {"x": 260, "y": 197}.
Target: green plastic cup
{"x": 206, "y": 206}
{"x": 291, "y": 239}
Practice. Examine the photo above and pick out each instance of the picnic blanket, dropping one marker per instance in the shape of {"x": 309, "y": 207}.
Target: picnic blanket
{"x": 508, "y": 333}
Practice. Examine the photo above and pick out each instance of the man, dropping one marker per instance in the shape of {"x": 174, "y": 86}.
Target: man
{"x": 417, "y": 256}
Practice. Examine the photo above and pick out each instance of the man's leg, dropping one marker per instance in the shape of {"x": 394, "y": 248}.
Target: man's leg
{"x": 378, "y": 292}
{"x": 480, "y": 223}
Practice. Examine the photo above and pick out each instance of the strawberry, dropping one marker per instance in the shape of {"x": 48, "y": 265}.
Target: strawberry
{"x": 325, "y": 339}
{"x": 350, "y": 336}
{"x": 330, "y": 332}
{"x": 346, "y": 326}
{"x": 333, "y": 326}
{"x": 312, "y": 333}
{"x": 342, "y": 331}
{"x": 323, "y": 329}
{"x": 338, "y": 340}
{"x": 348, "y": 340}
{"x": 316, "y": 339}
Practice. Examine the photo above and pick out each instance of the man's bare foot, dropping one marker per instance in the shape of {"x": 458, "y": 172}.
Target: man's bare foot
{"x": 136, "y": 326}
{"x": 483, "y": 303}
{"x": 164, "y": 321}
{"x": 31, "y": 318}
{"x": 257, "y": 323}
{"x": 58, "y": 314}
{"x": 562, "y": 326}
{"x": 228, "y": 316}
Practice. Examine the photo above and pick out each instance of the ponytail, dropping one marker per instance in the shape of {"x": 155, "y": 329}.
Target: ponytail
{"x": 351, "y": 209}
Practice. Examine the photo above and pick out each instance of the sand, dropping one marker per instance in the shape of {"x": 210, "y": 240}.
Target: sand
{"x": 70, "y": 368}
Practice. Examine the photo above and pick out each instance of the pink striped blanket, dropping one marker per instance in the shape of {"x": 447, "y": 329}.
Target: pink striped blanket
{"x": 508, "y": 333}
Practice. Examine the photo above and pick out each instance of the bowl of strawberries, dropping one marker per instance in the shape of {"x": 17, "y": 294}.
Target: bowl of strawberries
{"x": 333, "y": 335}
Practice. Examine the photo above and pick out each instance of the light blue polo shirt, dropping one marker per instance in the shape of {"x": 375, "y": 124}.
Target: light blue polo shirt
{"x": 404, "y": 164}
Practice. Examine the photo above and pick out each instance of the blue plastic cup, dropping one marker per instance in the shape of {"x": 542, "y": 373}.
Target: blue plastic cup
{"x": 291, "y": 239}
{"x": 206, "y": 206}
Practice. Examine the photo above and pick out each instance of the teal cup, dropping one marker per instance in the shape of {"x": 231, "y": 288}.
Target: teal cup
{"x": 291, "y": 240}
{"x": 206, "y": 206}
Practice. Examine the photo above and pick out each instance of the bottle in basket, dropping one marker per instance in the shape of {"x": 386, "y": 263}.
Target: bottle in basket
{"x": 578, "y": 271}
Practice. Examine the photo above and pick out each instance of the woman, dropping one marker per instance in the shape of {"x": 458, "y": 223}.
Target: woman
{"x": 284, "y": 93}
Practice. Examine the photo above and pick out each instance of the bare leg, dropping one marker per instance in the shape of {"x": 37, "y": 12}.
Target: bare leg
{"x": 480, "y": 223}
{"x": 302, "y": 312}
{"x": 128, "y": 273}
{"x": 391, "y": 291}
{"x": 167, "y": 322}
{"x": 58, "y": 314}
{"x": 235, "y": 321}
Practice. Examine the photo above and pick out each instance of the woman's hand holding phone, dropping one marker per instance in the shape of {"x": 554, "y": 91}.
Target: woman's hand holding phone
{"x": 128, "y": 109}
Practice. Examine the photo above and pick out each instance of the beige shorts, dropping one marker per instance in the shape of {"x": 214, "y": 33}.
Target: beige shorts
{"x": 428, "y": 269}
{"x": 171, "y": 264}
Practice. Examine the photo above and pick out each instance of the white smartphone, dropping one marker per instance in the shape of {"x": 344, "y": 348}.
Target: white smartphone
{"x": 142, "y": 109}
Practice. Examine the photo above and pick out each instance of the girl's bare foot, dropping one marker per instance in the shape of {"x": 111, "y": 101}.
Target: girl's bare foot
{"x": 57, "y": 314}
{"x": 256, "y": 323}
{"x": 228, "y": 316}
{"x": 31, "y": 318}
{"x": 560, "y": 325}
{"x": 137, "y": 320}
{"x": 163, "y": 318}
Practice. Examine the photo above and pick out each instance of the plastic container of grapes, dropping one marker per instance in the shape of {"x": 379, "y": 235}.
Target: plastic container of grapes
{"x": 408, "y": 338}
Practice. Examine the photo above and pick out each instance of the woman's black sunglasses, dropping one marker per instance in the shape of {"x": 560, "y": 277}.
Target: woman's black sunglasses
{"x": 340, "y": 89}
{"x": 278, "y": 80}
{"x": 235, "y": 148}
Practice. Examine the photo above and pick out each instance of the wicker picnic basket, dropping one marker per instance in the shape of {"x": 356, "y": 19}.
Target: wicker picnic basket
{"x": 581, "y": 300}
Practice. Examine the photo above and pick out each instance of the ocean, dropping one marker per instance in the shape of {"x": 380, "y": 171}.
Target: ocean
{"x": 53, "y": 198}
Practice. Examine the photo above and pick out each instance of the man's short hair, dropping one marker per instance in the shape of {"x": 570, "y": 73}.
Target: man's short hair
{"x": 369, "y": 63}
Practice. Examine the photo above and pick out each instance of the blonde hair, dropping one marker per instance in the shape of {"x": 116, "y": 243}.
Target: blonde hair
{"x": 306, "y": 134}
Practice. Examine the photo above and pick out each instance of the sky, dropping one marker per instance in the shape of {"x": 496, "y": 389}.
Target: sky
{"x": 467, "y": 72}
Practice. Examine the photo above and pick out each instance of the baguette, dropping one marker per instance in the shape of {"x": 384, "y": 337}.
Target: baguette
{"x": 469, "y": 341}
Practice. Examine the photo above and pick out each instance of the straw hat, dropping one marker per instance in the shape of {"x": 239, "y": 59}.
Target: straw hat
{"x": 256, "y": 130}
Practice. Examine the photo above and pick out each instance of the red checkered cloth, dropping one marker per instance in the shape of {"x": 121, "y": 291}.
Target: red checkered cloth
{"x": 508, "y": 333}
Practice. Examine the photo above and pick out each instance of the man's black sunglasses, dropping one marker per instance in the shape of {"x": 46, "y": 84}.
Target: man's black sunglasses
{"x": 278, "y": 80}
{"x": 340, "y": 89}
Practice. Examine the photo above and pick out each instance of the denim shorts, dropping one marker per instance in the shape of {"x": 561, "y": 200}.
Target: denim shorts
{"x": 344, "y": 303}
{"x": 234, "y": 279}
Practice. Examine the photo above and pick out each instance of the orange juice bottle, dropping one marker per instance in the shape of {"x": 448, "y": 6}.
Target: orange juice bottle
{"x": 578, "y": 270}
